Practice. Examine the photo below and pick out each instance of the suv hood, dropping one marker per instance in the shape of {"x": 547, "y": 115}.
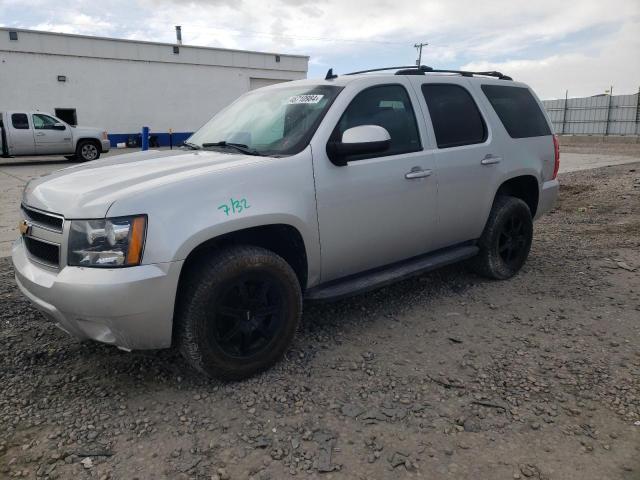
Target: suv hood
{"x": 88, "y": 190}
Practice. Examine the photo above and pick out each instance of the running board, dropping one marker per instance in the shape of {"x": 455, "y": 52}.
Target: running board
{"x": 380, "y": 277}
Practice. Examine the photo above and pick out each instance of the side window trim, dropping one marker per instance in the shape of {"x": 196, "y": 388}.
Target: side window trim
{"x": 420, "y": 147}
{"x": 485, "y": 123}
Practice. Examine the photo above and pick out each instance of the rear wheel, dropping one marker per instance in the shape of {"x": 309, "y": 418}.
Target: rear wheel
{"x": 506, "y": 239}
{"x": 87, "y": 151}
{"x": 238, "y": 312}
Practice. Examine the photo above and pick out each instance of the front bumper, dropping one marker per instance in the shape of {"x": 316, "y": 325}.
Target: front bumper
{"x": 548, "y": 197}
{"x": 106, "y": 145}
{"x": 131, "y": 308}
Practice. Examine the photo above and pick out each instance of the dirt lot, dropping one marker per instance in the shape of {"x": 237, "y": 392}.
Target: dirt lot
{"x": 601, "y": 145}
{"x": 443, "y": 376}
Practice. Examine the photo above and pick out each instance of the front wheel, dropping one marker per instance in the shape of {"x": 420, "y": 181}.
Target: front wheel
{"x": 506, "y": 239}
{"x": 87, "y": 151}
{"x": 238, "y": 312}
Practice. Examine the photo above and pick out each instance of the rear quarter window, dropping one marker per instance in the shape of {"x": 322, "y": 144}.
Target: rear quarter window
{"x": 19, "y": 121}
{"x": 518, "y": 111}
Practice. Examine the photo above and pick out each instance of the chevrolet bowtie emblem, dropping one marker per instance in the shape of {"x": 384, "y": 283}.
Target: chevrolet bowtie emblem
{"x": 24, "y": 227}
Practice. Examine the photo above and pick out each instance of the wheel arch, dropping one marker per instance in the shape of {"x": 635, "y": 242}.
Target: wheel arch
{"x": 524, "y": 187}
{"x": 283, "y": 239}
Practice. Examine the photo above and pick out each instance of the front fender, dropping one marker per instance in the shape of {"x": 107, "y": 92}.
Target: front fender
{"x": 184, "y": 214}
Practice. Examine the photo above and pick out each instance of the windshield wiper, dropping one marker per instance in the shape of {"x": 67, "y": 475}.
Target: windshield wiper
{"x": 241, "y": 147}
{"x": 192, "y": 146}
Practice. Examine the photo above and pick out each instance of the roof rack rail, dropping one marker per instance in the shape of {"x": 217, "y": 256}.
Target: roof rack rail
{"x": 389, "y": 68}
{"x": 422, "y": 69}
{"x": 466, "y": 73}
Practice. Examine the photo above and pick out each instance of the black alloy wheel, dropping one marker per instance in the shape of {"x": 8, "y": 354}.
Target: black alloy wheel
{"x": 248, "y": 315}
{"x": 512, "y": 241}
{"x": 506, "y": 239}
{"x": 238, "y": 311}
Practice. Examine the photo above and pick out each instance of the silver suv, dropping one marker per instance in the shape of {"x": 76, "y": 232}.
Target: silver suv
{"x": 312, "y": 189}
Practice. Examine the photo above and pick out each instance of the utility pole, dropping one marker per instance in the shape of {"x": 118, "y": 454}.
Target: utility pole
{"x": 419, "y": 47}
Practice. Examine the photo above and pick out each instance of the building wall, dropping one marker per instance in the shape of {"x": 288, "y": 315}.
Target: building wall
{"x": 121, "y": 85}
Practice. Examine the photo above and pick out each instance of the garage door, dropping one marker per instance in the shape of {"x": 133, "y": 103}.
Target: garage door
{"x": 263, "y": 82}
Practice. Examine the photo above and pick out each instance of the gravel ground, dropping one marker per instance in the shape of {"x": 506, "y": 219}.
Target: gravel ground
{"x": 443, "y": 376}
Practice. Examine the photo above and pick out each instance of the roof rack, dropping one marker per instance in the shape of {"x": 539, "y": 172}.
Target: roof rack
{"x": 422, "y": 69}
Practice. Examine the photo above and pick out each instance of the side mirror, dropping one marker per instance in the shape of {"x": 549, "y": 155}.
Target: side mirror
{"x": 362, "y": 140}
{"x": 59, "y": 126}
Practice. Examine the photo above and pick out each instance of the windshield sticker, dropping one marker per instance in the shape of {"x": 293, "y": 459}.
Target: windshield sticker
{"x": 234, "y": 206}
{"x": 298, "y": 99}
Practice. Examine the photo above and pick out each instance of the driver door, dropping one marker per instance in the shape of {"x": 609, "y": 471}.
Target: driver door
{"x": 51, "y": 135}
{"x": 375, "y": 210}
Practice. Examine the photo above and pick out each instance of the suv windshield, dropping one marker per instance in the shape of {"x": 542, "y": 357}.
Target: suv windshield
{"x": 278, "y": 121}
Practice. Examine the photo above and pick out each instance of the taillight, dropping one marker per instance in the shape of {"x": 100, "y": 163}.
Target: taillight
{"x": 556, "y": 152}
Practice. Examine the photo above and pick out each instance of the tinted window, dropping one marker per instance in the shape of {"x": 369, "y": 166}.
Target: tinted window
{"x": 43, "y": 122}
{"x": 518, "y": 111}
{"x": 20, "y": 121}
{"x": 454, "y": 114}
{"x": 389, "y": 107}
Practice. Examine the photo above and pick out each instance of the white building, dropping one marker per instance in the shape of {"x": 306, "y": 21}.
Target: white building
{"x": 122, "y": 85}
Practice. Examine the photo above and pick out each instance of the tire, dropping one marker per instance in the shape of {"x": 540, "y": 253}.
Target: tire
{"x": 506, "y": 239}
{"x": 87, "y": 151}
{"x": 238, "y": 312}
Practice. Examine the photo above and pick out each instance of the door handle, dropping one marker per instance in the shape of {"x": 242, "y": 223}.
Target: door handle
{"x": 417, "y": 172}
{"x": 490, "y": 159}
{"x": 40, "y": 134}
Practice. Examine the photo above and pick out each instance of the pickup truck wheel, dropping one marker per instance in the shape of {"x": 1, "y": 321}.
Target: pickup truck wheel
{"x": 87, "y": 151}
{"x": 506, "y": 240}
{"x": 238, "y": 312}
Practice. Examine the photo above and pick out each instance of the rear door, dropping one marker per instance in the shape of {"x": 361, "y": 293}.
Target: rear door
{"x": 467, "y": 157}
{"x": 19, "y": 131}
{"x": 51, "y": 134}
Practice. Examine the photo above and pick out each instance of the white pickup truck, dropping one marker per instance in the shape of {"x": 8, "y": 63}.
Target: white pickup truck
{"x": 39, "y": 133}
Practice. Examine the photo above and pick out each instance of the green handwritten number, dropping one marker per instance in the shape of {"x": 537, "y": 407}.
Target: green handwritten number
{"x": 234, "y": 206}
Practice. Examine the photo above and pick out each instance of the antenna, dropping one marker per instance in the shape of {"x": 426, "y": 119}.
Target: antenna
{"x": 330, "y": 75}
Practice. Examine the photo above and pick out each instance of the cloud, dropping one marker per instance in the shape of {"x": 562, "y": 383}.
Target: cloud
{"x": 613, "y": 61}
{"x": 552, "y": 44}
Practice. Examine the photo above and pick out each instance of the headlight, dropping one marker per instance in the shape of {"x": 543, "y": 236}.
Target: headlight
{"x": 111, "y": 242}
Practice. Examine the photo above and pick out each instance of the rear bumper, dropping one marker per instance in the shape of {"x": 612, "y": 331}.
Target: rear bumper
{"x": 106, "y": 145}
{"x": 131, "y": 308}
{"x": 548, "y": 197}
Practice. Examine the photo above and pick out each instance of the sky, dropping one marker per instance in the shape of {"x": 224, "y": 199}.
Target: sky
{"x": 583, "y": 46}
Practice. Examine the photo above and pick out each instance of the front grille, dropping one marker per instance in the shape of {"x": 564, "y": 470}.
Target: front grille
{"x": 43, "y": 252}
{"x": 46, "y": 220}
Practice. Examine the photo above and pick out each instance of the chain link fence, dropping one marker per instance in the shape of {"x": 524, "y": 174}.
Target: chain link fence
{"x": 597, "y": 115}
